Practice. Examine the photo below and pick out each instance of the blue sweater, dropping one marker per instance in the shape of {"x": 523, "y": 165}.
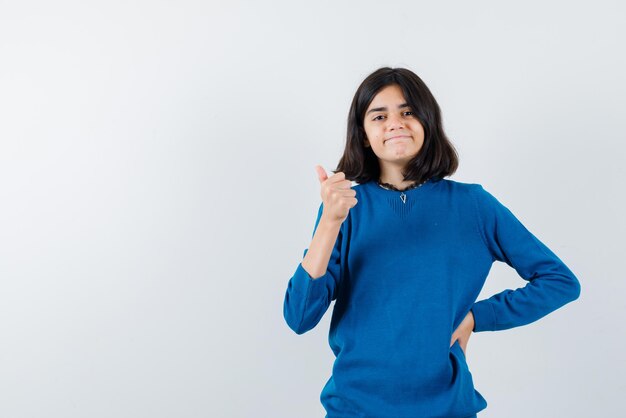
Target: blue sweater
{"x": 405, "y": 270}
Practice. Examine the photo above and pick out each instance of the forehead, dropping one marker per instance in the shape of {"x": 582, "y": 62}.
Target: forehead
{"x": 390, "y": 95}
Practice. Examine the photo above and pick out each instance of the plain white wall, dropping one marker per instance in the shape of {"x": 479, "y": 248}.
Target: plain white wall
{"x": 158, "y": 189}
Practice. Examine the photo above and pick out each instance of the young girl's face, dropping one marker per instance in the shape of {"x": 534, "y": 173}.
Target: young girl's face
{"x": 392, "y": 130}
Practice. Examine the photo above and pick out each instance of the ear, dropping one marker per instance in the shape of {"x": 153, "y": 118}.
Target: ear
{"x": 366, "y": 143}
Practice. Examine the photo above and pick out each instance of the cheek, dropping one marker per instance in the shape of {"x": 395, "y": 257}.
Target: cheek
{"x": 419, "y": 128}
{"x": 375, "y": 133}
{"x": 372, "y": 134}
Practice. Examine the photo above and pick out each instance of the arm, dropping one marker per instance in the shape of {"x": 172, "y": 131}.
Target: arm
{"x": 308, "y": 295}
{"x": 551, "y": 284}
{"x": 317, "y": 256}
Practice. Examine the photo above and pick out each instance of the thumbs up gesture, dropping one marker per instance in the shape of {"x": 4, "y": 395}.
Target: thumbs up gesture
{"x": 337, "y": 195}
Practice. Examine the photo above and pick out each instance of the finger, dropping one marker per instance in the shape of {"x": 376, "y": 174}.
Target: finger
{"x": 321, "y": 173}
{"x": 337, "y": 177}
{"x": 342, "y": 184}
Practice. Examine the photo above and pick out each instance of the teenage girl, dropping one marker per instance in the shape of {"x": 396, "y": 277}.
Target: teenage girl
{"x": 404, "y": 255}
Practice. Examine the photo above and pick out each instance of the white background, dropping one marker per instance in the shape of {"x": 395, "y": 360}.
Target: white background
{"x": 157, "y": 190}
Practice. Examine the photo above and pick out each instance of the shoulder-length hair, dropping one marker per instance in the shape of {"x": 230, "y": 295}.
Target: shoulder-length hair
{"x": 437, "y": 157}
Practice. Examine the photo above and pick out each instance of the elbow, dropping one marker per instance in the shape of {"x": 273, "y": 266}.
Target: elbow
{"x": 293, "y": 321}
{"x": 296, "y": 326}
{"x": 299, "y": 330}
{"x": 574, "y": 289}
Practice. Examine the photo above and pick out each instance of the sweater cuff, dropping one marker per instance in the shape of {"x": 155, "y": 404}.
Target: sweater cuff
{"x": 484, "y": 316}
{"x": 305, "y": 285}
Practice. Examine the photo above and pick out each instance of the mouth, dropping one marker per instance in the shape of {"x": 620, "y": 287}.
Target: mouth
{"x": 397, "y": 137}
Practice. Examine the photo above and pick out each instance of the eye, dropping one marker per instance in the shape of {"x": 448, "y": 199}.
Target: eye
{"x": 408, "y": 111}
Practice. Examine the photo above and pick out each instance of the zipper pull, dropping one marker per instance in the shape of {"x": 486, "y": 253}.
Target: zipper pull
{"x": 403, "y": 197}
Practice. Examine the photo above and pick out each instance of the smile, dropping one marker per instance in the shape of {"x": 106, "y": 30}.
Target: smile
{"x": 397, "y": 137}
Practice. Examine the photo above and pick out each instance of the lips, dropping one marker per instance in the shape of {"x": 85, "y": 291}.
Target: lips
{"x": 397, "y": 137}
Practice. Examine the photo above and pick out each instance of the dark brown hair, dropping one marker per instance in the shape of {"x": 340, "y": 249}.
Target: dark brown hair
{"x": 437, "y": 157}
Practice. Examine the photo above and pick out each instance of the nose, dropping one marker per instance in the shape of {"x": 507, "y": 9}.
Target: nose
{"x": 395, "y": 122}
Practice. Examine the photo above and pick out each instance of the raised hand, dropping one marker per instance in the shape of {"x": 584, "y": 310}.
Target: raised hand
{"x": 337, "y": 195}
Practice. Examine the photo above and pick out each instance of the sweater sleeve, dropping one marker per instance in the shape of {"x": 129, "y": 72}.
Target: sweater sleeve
{"x": 307, "y": 299}
{"x": 551, "y": 284}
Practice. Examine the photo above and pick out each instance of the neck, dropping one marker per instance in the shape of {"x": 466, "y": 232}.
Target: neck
{"x": 396, "y": 180}
{"x": 391, "y": 173}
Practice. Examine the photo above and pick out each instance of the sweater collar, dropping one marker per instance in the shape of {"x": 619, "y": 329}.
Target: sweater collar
{"x": 428, "y": 184}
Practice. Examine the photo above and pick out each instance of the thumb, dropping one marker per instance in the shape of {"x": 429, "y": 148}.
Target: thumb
{"x": 321, "y": 173}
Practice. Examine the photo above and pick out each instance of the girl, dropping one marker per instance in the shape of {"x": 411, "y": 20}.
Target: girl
{"x": 404, "y": 255}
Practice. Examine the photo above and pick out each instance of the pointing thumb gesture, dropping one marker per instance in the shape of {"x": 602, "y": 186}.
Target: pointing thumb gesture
{"x": 321, "y": 173}
{"x": 337, "y": 194}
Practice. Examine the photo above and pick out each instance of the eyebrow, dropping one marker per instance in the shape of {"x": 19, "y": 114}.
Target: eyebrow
{"x": 379, "y": 109}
